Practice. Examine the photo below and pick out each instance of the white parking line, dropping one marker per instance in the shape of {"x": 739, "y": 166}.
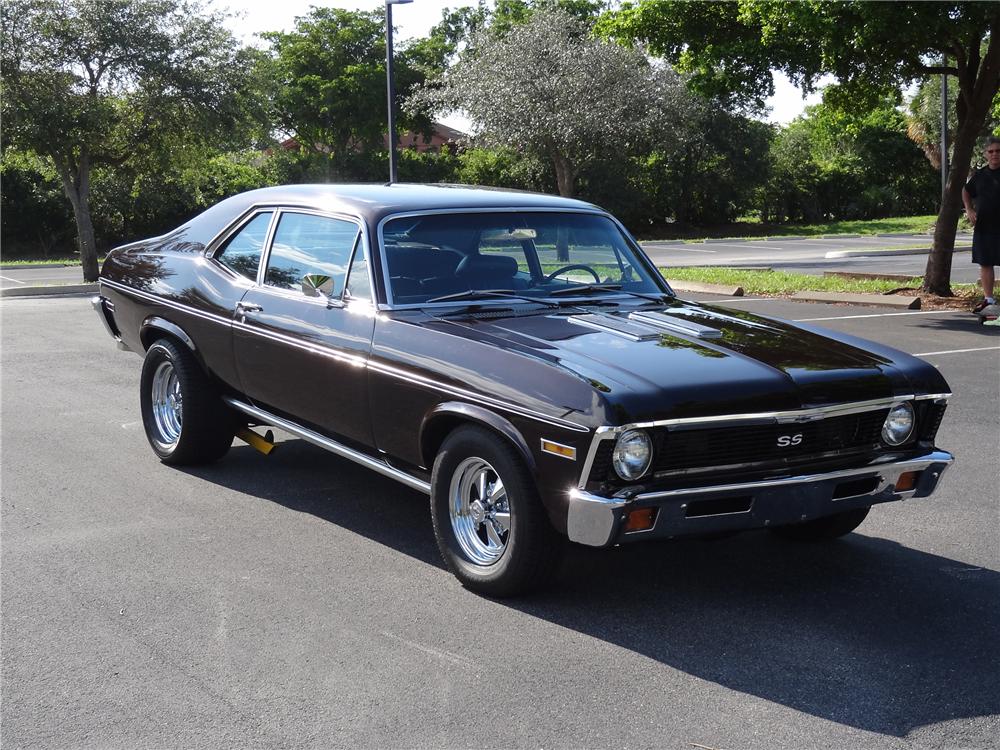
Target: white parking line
{"x": 684, "y": 249}
{"x": 727, "y": 300}
{"x": 877, "y": 315}
{"x": 959, "y": 351}
{"x": 8, "y": 278}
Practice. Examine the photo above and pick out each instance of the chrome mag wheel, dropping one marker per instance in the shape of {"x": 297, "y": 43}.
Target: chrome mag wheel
{"x": 167, "y": 403}
{"x": 479, "y": 511}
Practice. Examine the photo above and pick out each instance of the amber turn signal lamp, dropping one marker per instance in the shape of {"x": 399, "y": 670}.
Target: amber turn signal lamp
{"x": 907, "y": 481}
{"x": 640, "y": 519}
{"x": 558, "y": 449}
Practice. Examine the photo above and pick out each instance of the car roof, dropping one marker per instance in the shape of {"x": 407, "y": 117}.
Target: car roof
{"x": 371, "y": 202}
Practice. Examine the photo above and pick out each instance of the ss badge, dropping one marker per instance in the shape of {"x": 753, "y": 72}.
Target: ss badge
{"x": 786, "y": 440}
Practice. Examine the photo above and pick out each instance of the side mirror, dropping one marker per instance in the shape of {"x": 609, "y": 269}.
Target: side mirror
{"x": 320, "y": 285}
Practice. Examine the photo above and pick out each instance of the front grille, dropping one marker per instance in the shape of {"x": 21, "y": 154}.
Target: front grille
{"x": 724, "y": 446}
{"x": 929, "y": 416}
{"x": 774, "y": 445}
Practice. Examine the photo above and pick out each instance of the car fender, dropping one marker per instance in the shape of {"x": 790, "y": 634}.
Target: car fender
{"x": 445, "y": 416}
{"x": 154, "y": 324}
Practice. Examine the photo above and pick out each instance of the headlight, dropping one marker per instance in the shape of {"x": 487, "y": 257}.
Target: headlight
{"x": 898, "y": 425}
{"x": 633, "y": 454}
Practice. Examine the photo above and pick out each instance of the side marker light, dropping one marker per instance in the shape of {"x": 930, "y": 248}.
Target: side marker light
{"x": 907, "y": 481}
{"x": 640, "y": 519}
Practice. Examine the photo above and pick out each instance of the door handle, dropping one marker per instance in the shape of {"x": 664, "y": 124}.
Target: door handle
{"x": 243, "y": 308}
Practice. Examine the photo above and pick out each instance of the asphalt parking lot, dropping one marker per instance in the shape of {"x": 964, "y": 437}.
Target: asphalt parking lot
{"x": 299, "y": 601}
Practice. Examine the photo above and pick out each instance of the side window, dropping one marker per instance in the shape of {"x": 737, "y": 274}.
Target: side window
{"x": 306, "y": 244}
{"x": 358, "y": 283}
{"x": 242, "y": 251}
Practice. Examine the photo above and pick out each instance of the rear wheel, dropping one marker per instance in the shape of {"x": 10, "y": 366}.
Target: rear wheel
{"x": 490, "y": 525}
{"x": 829, "y": 527}
{"x": 184, "y": 418}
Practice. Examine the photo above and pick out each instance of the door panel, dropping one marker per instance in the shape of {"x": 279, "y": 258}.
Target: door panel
{"x": 299, "y": 353}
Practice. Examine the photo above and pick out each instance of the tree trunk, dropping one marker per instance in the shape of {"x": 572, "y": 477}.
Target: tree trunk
{"x": 937, "y": 274}
{"x": 565, "y": 179}
{"x": 565, "y": 175}
{"x": 76, "y": 185}
{"x": 974, "y": 102}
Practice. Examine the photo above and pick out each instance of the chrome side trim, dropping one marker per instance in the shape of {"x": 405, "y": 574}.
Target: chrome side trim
{"x": 394, "y": 372}
{"x": 411, "y": 377}
{"x": 775, "y": 417}
{"x": 148, "y": 296}
{"x": 320, "y": 349}
{"x": 331, "y": 445}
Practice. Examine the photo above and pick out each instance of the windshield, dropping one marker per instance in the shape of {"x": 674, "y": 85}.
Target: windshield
{"x": 533, "y": 255}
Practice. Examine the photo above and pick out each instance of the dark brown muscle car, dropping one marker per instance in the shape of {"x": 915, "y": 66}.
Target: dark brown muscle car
{"x": 519, "y": 359}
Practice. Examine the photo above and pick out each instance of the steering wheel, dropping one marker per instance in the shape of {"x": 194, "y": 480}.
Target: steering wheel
{"x": 574, "y": 267}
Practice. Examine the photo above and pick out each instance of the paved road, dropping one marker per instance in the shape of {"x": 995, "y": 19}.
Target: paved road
{"x": 40, "y": 275}
{"x": 811, "y": 255}
{"x": 298, "y": 601}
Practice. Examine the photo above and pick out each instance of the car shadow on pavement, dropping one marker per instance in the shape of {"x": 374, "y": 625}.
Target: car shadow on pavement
{"x": 861, "y": 631}
{"x": 307, "y": 479}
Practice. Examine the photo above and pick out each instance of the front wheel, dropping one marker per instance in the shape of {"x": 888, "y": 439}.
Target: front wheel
{"x": 829, "y": 527}
{"x": 186, "y": 422}
{"x": 489, "y": 523}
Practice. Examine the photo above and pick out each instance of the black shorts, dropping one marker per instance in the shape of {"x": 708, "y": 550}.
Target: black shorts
{"x": 986, "y": 248}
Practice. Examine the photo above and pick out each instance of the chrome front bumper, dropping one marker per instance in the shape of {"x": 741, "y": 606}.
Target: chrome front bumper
{"x": 598, "y": 521}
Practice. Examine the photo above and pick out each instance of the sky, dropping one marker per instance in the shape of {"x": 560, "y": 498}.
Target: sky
{"x": 414, "y": 20}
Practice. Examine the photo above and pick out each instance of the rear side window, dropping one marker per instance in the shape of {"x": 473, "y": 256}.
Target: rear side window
{"x": 242, "y": 251}
{"x": 307, "y": 244}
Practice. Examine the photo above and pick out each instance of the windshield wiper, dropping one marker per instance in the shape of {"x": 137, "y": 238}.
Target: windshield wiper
{"x": 474, "y": 294}
{"x": 593, "y": 288}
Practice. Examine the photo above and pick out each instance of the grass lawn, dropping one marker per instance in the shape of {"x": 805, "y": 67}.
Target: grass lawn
{"x": 74, "y": 261}
{"x": 907, "y": 224}
{"x": 783, "y": 282}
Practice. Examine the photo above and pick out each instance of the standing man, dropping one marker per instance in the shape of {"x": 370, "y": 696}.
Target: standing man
{"x": 981, "y": 196}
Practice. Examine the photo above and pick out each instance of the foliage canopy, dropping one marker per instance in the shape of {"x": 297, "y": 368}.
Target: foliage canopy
{"x": 90, "y": 83}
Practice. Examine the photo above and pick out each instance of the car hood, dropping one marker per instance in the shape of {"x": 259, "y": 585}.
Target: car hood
{"x": 690, "y": 360}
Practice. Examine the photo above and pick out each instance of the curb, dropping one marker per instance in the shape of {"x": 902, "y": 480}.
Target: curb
{"x": 723, "y": 240}
{"x": 63, "y": 290}
{"x": 695, "y": 286}
{"x": 874, "y": 300}
{"x": 865, "y": 275}
{"x": 883, "y": 253}
{"x": 15, "y": 266}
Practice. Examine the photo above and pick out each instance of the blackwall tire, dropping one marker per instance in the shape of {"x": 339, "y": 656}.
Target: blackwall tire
{"x": 830, "y": 527}
{"x": 490, "y": 526}
{"x": 186, "y": 422}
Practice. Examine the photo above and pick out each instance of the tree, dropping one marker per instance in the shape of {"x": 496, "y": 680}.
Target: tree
{"x": 329, "y": 78}
{"x": 871, "y": 47}
{"x": 835, "y": 164}
{"x": 548, "y": 89}
{"x": 924, "y": 119}
{"x": 102, "y": 82}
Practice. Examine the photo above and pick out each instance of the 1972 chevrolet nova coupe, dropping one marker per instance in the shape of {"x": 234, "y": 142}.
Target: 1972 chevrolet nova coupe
{"x": 518, "y": 358}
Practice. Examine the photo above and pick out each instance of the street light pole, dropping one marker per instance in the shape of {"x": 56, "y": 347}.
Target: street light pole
{"x": 391, "y": 88}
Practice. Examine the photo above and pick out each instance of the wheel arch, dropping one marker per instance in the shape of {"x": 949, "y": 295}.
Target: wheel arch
{"x": 155, "y": 327}
{"x": 448, "y": 416}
